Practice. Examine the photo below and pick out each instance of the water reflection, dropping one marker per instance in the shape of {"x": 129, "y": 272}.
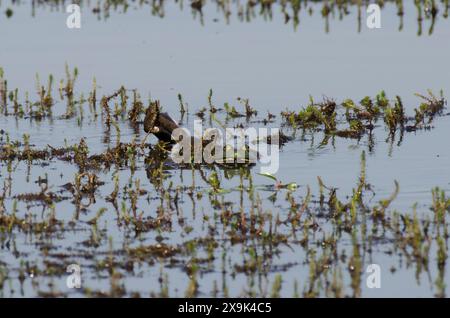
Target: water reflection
{"x": 114, "y": 204}
{"x": 290, "y": 11}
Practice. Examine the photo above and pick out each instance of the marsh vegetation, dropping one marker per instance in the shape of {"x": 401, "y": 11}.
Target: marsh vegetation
{"x": 126, "y": 213}
{"x": 363, "y": 176}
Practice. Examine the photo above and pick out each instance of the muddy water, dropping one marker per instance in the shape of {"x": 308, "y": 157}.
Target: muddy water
{"x": 276, "y": 66}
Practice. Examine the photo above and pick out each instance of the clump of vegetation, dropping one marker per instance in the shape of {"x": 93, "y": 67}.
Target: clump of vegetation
{"x": 430, "y": 107}
{"x": 361, "y": 119}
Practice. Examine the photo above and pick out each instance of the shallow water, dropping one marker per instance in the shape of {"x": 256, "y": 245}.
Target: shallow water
{"x": 277, "y": 67}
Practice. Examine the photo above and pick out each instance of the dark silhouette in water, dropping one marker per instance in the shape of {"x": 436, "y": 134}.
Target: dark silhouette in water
{"x": 163, "y": 126}
{"x": 159, "y": 124}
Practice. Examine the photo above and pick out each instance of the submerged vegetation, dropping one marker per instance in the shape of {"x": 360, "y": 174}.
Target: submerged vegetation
{"x": 128, "y": 215}
{"x": 290, "y": 11}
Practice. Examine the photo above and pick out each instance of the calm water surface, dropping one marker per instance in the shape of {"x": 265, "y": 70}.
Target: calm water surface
{"x": 277, "y": 67}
